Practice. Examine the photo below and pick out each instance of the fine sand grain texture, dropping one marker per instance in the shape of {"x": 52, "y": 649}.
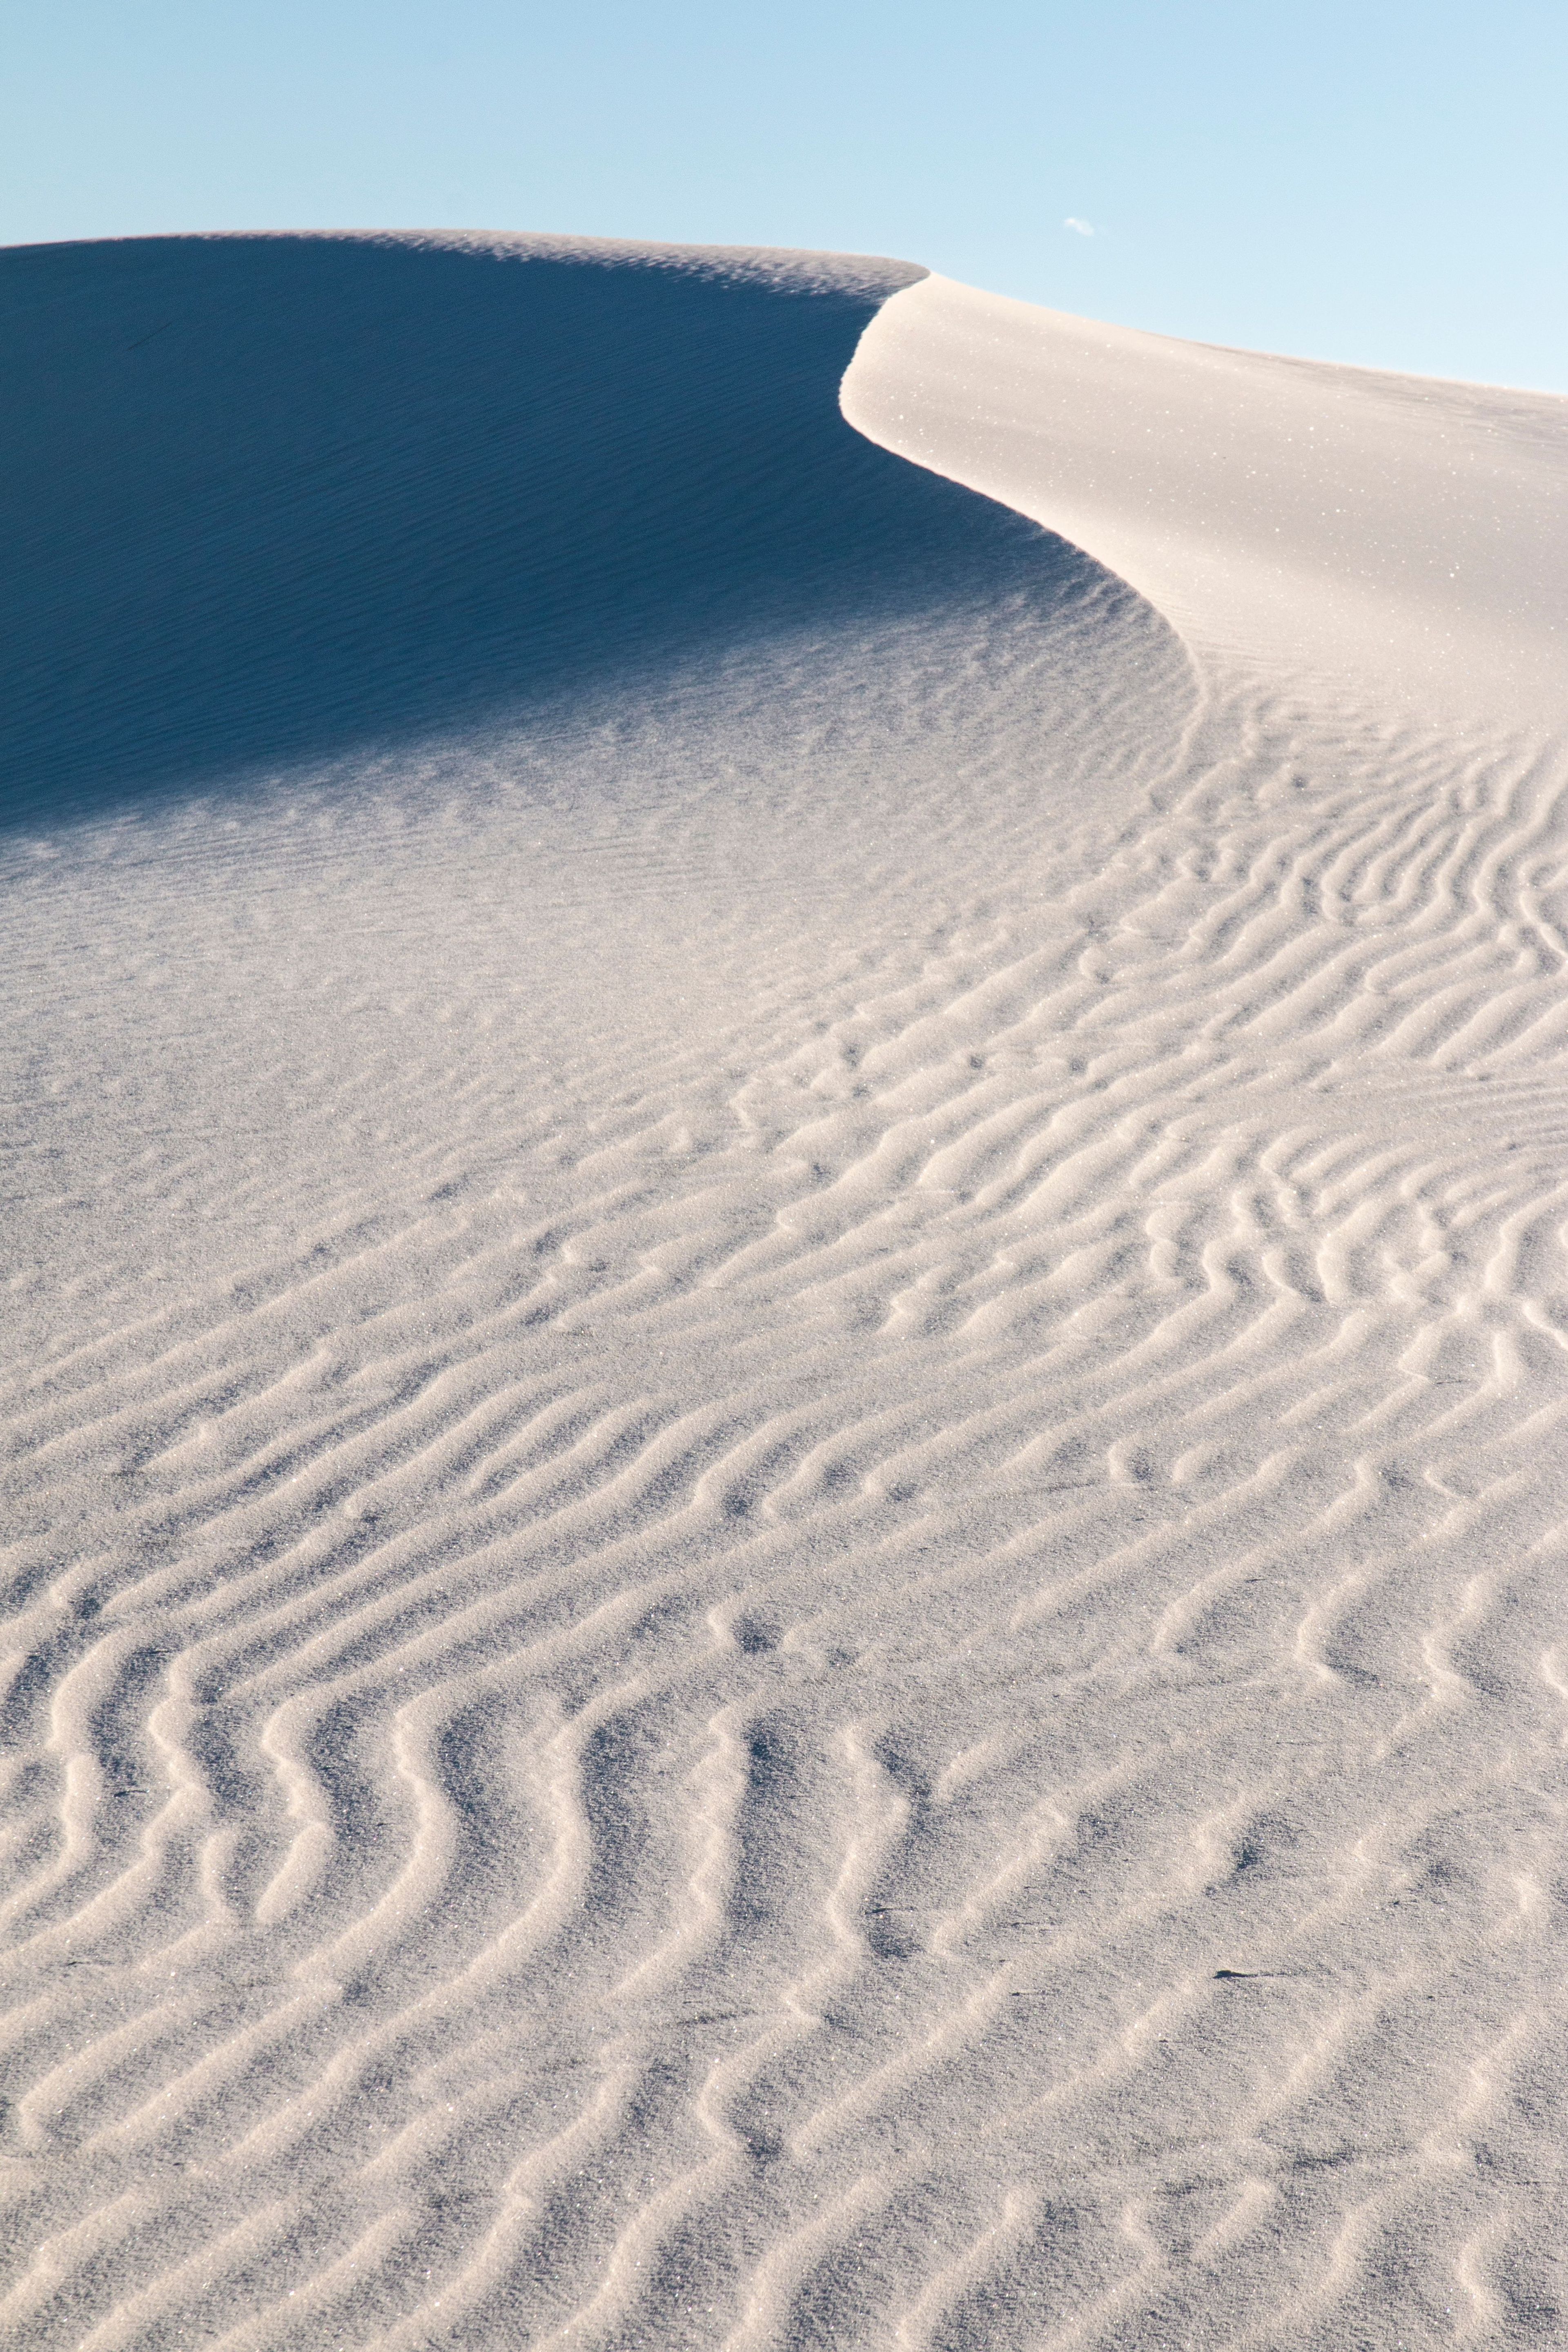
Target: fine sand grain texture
{"x": 786, "y": 1318}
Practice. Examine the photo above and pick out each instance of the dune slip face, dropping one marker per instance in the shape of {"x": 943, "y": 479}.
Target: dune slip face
{"x": 787, "y": 1317}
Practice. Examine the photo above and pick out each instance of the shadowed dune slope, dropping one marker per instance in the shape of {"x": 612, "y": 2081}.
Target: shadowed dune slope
{"x": 269, "y": 499}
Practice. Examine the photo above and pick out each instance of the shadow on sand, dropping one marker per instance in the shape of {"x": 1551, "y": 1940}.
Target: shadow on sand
{"x": 268, "y": 499}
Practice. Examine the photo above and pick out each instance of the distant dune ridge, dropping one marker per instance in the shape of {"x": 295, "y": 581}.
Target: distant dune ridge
{"x": 789, "y": 1290}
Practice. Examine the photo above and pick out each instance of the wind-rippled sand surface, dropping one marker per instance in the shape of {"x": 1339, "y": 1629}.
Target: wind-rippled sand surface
{"x": 789, "y": 1318}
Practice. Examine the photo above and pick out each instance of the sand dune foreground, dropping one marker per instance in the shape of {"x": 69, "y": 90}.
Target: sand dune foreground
{"x": 788, "y": 1303}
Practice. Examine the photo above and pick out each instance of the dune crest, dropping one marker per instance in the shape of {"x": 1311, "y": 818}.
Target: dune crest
{"x": 788, "y": 1305}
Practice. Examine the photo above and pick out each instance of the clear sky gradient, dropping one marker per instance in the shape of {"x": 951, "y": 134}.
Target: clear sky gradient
{"x": 1381, "y": 183}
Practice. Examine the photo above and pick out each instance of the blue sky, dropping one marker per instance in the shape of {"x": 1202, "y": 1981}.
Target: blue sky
{"x": 1385, "y": 185}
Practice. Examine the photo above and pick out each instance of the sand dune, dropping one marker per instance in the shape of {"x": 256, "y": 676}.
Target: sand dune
{"x": 788, "y": 1316}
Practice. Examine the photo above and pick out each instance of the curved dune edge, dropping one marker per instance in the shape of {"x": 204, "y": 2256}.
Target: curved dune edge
{"x": 1397, "y": 532}
{"x": 783, "y": 1527}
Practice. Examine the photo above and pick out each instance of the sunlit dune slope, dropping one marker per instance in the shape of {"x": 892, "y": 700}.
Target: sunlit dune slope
{"x": 1396, "y": 534}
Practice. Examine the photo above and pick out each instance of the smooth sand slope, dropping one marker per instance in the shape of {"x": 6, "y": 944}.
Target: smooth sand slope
{"x": 787, "y": 1317}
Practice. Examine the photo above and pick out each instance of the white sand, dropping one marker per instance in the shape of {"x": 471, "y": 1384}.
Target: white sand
{"x": 789, "y": 1313}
